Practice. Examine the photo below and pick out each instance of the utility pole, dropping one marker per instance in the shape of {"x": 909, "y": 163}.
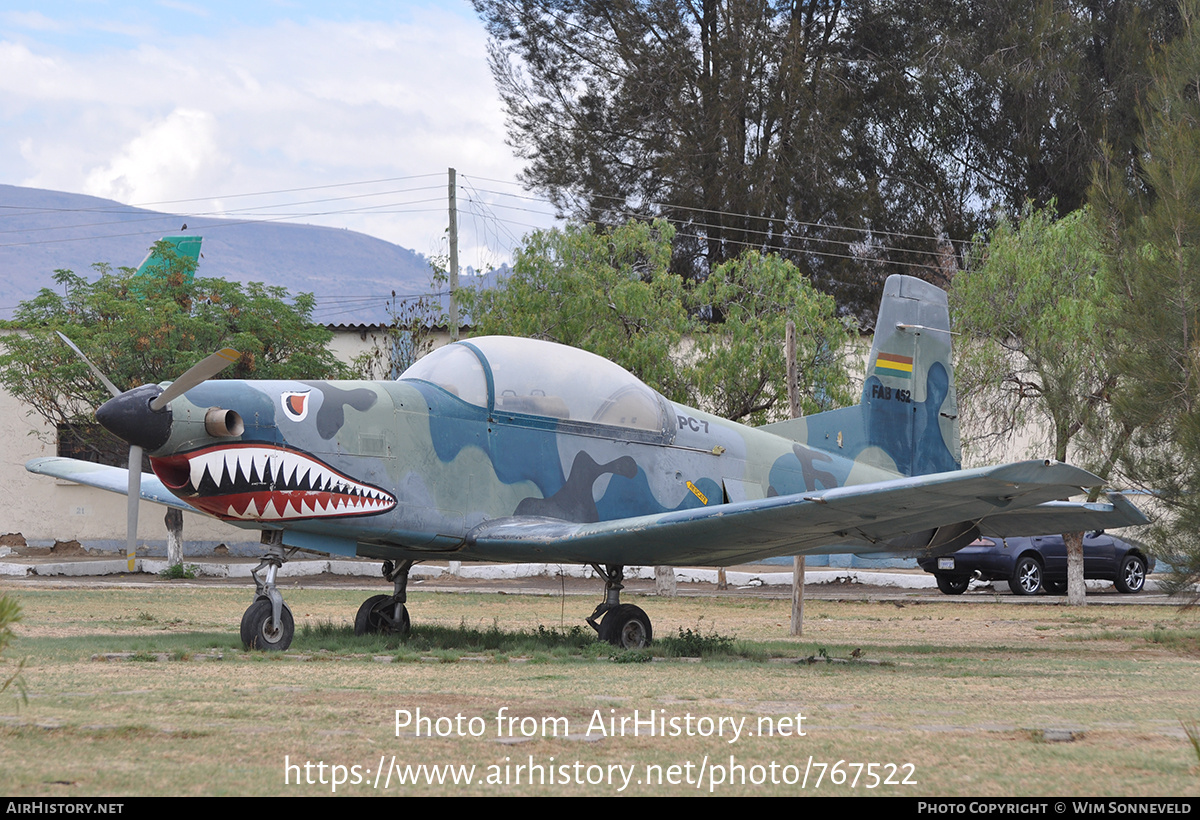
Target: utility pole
{"x": 455, "y": 566}
{"x": 453, "y": 257}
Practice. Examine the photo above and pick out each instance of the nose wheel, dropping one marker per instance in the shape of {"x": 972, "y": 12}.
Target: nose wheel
{"x": 268, "y": 623}
{"x": 261, "y": 629}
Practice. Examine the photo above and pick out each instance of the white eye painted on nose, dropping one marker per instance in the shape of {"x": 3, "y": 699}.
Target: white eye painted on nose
{"x": 295, "y": 404}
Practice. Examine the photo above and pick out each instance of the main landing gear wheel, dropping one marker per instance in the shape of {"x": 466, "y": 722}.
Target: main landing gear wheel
{"x": 387, "y": 614}
{"x": 378, "y": 616}
{"x": 623, "y": 625}
{"x": 626, "y": 627}
{"x": 259, "y": 630}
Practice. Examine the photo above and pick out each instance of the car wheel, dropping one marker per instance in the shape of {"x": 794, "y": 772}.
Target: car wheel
{"x": 1027, "y": 577}
{"x": 1132, "y": 577}
{"x": 953, "y": 584}
{"x": 1055, "y": 587}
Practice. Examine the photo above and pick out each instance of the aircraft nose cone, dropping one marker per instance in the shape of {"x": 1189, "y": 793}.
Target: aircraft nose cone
{"x": 129, "y": 417}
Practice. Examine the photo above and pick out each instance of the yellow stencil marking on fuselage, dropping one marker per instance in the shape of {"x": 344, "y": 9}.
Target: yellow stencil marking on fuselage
{"x": 703, "y": 498}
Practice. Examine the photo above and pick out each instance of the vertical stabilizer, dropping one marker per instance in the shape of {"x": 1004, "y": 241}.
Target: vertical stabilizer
{"x": 907, "y": 420}
{"x": 909, "y": 405}
{"x": 185, "y": 247}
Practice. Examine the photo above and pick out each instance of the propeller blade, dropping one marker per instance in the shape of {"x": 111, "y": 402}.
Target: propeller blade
{"x": 198, "y": 373}
{"x": 131, "y": 510}
{"x": 112, "y": 388}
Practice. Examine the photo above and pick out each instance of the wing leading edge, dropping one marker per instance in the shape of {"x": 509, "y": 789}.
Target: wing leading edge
{"x": 113, "y": 479}
{"x": 1011, "y": 497}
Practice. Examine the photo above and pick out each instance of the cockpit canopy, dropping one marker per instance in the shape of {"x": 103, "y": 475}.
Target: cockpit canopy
{"x": 530, "y": 377}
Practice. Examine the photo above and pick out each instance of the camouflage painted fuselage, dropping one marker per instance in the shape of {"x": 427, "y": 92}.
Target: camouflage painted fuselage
{"x": 519, "y": 450}
{"x": 500, "y": 428}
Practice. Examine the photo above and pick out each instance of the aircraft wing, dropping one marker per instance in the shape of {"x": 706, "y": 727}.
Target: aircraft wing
{"x": 865, "y": 515}
{"x": 113, "y": 479}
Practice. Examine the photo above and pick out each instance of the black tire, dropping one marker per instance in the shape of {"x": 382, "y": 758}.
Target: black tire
{"x": 1132, "y": 575}
{"x": 626, "y": 627}
{"x": 953, "y": 584}
{"x": 1027, "y": 576}
{"x": 259, "y": 630}
{"x": 1055, "y": 587}
{"x": 375, "y": 618}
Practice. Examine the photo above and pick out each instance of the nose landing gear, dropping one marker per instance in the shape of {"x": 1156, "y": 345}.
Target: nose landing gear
{"x": 268, "y": 623}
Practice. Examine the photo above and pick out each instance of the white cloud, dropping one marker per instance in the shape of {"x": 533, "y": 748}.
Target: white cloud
{"x": 176, "y": 153}
{"x": 289, "y": 104}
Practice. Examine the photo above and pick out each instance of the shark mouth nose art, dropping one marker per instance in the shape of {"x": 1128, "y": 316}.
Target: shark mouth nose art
{"x": 252, "y": 482}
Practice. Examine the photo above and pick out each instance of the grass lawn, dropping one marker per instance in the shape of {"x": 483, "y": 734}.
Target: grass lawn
{"x": 147, "y": 691}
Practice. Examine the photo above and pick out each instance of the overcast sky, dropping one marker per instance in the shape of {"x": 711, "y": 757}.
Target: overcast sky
{"x": 191, "y": 106}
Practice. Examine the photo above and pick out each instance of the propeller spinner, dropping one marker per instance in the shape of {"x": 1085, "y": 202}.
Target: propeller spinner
{"x": 142, "y": 418}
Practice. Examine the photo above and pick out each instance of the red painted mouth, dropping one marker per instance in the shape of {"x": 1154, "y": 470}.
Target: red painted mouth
{"x": 253, "y": 482}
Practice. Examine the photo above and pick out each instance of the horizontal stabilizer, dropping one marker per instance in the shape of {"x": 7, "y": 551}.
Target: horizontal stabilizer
{"x": 113, "y": 479}
{"x": 1056, "y": 517}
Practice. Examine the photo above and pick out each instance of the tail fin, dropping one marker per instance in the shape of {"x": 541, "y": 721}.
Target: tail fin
{"x": 907, "y": 420}
{"x": 909, "y": 404}
{"x": 185, "y": 247}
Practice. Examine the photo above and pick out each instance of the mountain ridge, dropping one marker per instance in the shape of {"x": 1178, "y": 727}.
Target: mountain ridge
{"x": 351, "y": 274}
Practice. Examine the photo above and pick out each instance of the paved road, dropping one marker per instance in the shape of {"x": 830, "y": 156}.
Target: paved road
{"x": 757, "y": 580}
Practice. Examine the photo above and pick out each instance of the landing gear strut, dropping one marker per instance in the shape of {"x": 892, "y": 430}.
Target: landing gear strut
{"x": 386, "y": 614}
{"x": 268, "y": 623}
{"x": 623, "y": 625}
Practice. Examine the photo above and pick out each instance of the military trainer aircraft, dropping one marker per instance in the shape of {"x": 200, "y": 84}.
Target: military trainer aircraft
{"x": 514, "y": 450}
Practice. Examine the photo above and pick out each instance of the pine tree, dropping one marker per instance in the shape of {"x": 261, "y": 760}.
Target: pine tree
{"x": 1154, "y": 214}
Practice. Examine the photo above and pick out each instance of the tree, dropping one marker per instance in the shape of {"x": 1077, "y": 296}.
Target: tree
{"x": 144, "y": 329}
{"x": 729, "y": 118}
{"x": 1035, "y": 308}
{"x": 606, "y": 291}
{"x": 740, "y": 371}
{"x": 848, "y": 136}
{"x": 1153, "y": 228}
{"x": 718, "y": 346}
{"x": 406, "y": 337}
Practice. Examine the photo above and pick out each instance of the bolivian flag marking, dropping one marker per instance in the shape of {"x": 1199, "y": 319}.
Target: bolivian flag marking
{"x": 891, "y": 364}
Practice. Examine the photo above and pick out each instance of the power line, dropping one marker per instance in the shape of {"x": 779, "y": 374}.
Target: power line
{"x": 256, "y": 210}
{"x": 20, "y": 211}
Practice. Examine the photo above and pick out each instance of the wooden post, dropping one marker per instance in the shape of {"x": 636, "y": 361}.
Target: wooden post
{"x": 794, "y": 407}
{"x": 664, "y": 581}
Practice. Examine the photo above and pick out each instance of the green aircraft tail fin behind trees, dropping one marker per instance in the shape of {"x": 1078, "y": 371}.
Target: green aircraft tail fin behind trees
{"x": 156, "y": 263}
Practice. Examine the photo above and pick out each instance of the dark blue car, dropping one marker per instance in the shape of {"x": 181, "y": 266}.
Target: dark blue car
{"x": 1033, "y": 565}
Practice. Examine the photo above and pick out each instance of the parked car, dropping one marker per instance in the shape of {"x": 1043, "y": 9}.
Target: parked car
{"x": 1031, "y": 565}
